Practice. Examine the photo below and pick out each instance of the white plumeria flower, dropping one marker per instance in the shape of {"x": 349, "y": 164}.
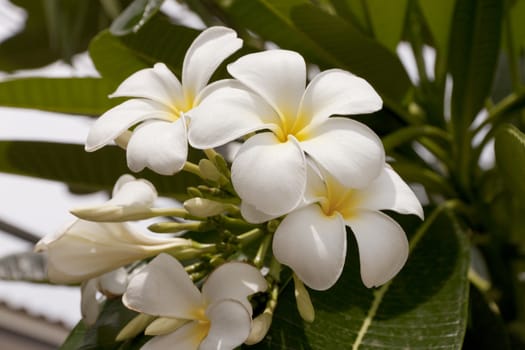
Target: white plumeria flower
{"x": 131, "y": 199}
{"x": 269, "y": 171}
{"x": 160, "y": 103}
{"x": 88, "y": 249}
{"x": 219, "y": 318}
{"x": 312, "y": 239}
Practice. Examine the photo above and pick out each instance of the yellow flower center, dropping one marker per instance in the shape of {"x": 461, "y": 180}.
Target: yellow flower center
{"x": 293, "y": 126}
{"x": 341, "y": 200}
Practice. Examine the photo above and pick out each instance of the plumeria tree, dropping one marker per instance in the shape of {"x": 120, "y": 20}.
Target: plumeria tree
{"x": 325, "y": 196}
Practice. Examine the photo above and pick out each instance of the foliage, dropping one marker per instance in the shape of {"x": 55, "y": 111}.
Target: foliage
{"x": 433, "y": 140}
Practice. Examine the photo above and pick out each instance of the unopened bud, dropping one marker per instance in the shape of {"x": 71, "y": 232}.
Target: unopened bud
{"x": 134, "y": 327}
{"x": 260, "y": 326}
{"x": 164, "y": 325}
{"x": 304, "y": 303}
{"x": 204, "y": 208}
{"x": 209, "y": 171}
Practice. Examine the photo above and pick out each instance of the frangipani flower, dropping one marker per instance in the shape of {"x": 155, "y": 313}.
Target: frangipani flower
{"x": 218, "y": 318}
{"x": 269, "y": 171}
{"x": 88, "y": 249}
{"x": 160, "y": 103}
{"x": 131, "y": 199}
{"x": 312, "y": 239}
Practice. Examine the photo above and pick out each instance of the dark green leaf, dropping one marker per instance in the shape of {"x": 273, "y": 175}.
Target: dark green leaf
{"x": 473, "y": 54}
{"x": 425, "y": 307}
{"x": 510, "y": 157}
{"x": 71, "y": 164}
{"x": 356, "y": 12}
{"x": 75, "y": 337}
{"x": 325, "y": 40}
{"x": 54, "y": 29}
{"x": 135, "y": 16}
{"x": 388, "y": 21}
{"x": 85, "y": 96}
{"x": 438, "y": 15}
{"x": 27, "y": 266}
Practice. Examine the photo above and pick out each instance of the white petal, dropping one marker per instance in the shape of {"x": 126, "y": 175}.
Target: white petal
{"x": 254, "y": 216}
{"x": 88, "y": 249}
{"x": 113, "y": 283}
{"x": 313, "y": 245}
{"x": 348, "y": 150}
{"x": 336, "y": 91}
{"x": 157, "y": 84}
{"x": 315, "y": 186}
{"x": 89, "y": 305}
{"x": 233, "y": 280}
{"x": 279, "y": 76}
{"x": 134, "y": 193}
{"x": 382, "y": 244}
{"x": 187, "y": 337}
{"x": 270, "y": 175}
{"x": 389, "y": 191}
{"x": 227, "y": 113}
{"x": 163, "y": 288}
{"x": 117, "y": 120}
{"x": 204, "y": 55}
{"x": 159, "y": 145}
{"x": 229, "y": 328}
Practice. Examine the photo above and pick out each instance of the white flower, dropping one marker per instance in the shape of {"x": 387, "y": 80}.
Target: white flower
{"x": 217, "y": 318}
{"x": 131, "y": 199}
{"x": 160, "y": 141}
{"x": 88, "y": 249}
{"x": 312, "y": 239}
{"x": 269, "y": 171}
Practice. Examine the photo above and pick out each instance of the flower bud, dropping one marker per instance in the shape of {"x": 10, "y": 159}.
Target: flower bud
{"x": 203, "y": 207}
{"x": 164, "y": 325}
{"x": 260, "y": 326}
{"x": 134, "y": 327}
{"x": 302, "y": 298}
{"x": 209, "y": 171}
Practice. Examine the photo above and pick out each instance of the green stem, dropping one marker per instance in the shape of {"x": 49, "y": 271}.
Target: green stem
{"x": 173, "y": 227}
{"x": 258, "y": 261}
{"x": 250, "y": 236}
{"x": 233, "y": 223}
{"x": 192, "y": 168}
{"x": 211, "y": 154}
{"x": 411, "y": 133}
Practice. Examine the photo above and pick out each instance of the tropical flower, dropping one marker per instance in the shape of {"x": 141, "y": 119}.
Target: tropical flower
{"x": 317, "y": 230}
{"x": 269, "y": 171}
{"x": 160, "y": 103}
{"x": 88, "y": 249}
{"x": 131, "y": 199}
{"x": 218, "y": 318}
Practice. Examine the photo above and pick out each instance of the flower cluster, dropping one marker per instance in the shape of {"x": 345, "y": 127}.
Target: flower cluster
{"x": 302, "y": 174}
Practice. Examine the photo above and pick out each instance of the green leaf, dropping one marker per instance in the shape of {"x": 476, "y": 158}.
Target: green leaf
{"x": 75, "y": 337}
{"x": 356, "y": 12}
{"x": 157, "y": 41}
{"x": 135, "y": 16}
{"x": 510, "y": 156}
{"x": 54, "y": 29}
{"x": 424, "y": 307}
{"x": 27, "y": 266}
{"x": 517, "y": 13}
{"x": 438, "y": 15}
{"x": 85, "y": 96}
{"x": 388, "y": 21}
{"x": 91, "y": 171}
{"x": 325, "y": 40}
{"x": 473, "y": 54}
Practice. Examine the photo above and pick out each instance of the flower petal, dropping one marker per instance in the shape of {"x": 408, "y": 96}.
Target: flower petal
{"x": 270, "y": 175}
{"x": 279, "y": 76}
{"x": 382, "y": 244}
{"x": 204, "y": 55}
{"x": 336, "y": 91}
{"x": 313, "y": 245}
{"x": 87, "y": 249}
{"x": 159, "y": 145}
{"x": 389, "y": 191}
{"x": 234, "y": 280}
{"x": 157, "y": 84}
{"x": 348, "y": 150}
{"x": 163, "y": 288}
{"x": 254, "y": 216}
{"x": 230, "y": 324}
{"x": 117, "y": 120}
{"x": 187, "y": 337}
{"x": 227, "y": 113}
{"x": 113, "y": 283}
{"x": 89, "y": 305}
